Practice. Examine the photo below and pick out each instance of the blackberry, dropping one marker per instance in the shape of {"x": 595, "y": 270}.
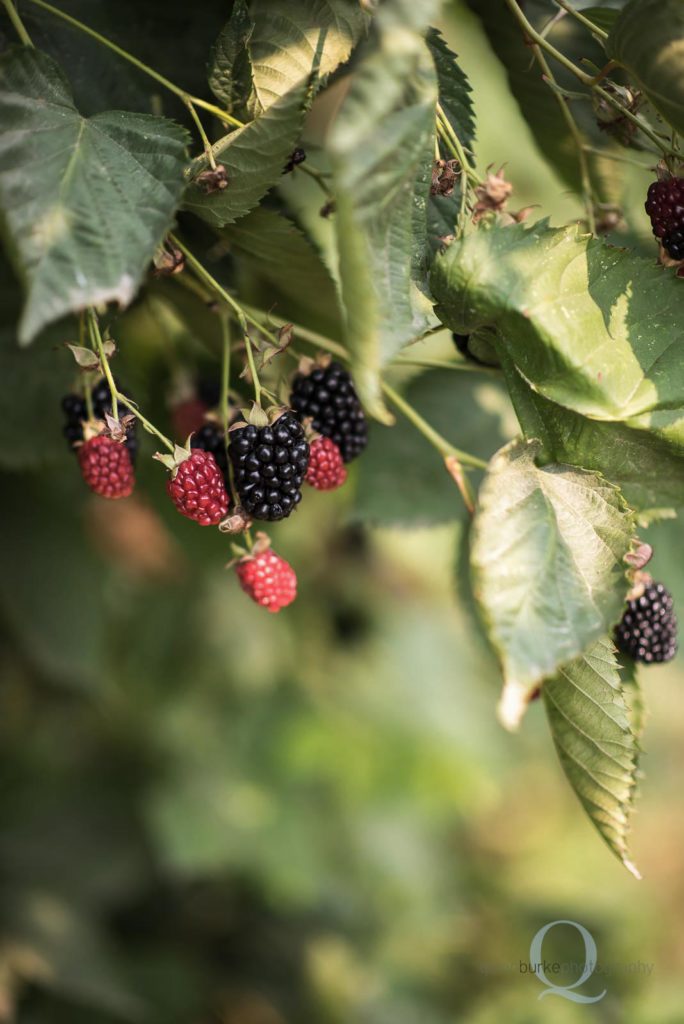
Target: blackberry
{"x": 665, "y": 207}
{"x": 269, "y": 464}
{"x": 209, "y": 391}
{"x": 648, "y": 629}
{"x": 210, "y": 438}
{"x": 297, "y": 156}
{"x": 76, "y": 412}
{"x": 327, "y": 396}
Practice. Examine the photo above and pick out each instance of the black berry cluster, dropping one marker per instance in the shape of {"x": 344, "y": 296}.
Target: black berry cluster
{"x": 210, "y": 438}
{"x": 648, "y": 629}
{"x": 76, "y": 412}
{"x": 665, "y": 207}
{"x": 269, "y": 464}
{"x": 327, "y": 396}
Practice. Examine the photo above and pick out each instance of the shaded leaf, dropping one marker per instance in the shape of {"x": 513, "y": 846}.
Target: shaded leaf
{"x": 254, "y": 157}
{"x": 275, "y": 250}
{"x": 646, "y": 469}
{"x": 382, "y": 150}
{"x": 590, "y": 723}
{"x": 290, "y": 41}
{"x": 86, "y": 200}
{"x": 647, "y": 39}
{"x": 591, "y": 327}
{"x": 230, "y": 73}
{"x": 547, "y": 561}
{"x": 401, "y": 479}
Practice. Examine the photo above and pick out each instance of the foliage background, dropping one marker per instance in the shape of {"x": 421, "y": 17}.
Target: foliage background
{"x": 214, "y": 815}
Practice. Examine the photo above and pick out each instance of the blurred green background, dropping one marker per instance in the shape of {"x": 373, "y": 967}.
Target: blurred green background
{"x": 211, "y": 815}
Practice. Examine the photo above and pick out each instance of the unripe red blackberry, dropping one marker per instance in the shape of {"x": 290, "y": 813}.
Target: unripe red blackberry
{"x": 269, "y": 580}
{"x": 648, "y": 629}
{"x": 665, "y": 207}
{"x": 326, "y": 470}
{"x": 106, "y": 467}
{"x": 326, "y": 395}
{"x": 197, "y": 489}
{"x": 269, "y": 464}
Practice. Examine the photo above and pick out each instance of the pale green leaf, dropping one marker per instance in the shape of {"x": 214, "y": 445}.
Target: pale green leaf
{"x": 382, "y": 150}
{"x": 86, "y": 201}
{"x": 648, "y": 40}
{"x": 290, "y": 41}
{"x": 547, "y": 561}
{"x": 591, "y": 327}
{"x": 590, "y": 722}
{"x": 645, "y": 468}
{"x": 230, "y": 72}
{"x": 254, "y": 158}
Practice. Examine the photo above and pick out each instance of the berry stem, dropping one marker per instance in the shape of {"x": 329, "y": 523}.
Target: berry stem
{"x": 445, "y": 364}
{"x": 585, "y": 176}
{"x": 584, "y": 78}
{"x": 225, "y": 376}
{"x": 314, "y": 173}
{"x": 581, "y": 18}
{"x": 444, "y": 447}
{"x": 209, "y": 153}
{"x": 453, "y": 143}
{"x": 149, "y": 427}
{"x": 145, "y": 68}
{"x": 96, "y": 337}
{"x": 18, "y": 24}
{"x": 242, "y": 317}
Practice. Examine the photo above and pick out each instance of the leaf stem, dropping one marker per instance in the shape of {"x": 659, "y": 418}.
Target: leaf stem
{"x": 445, "y": 364}
{"x": 444, "y": 447}
{"x": 96, "y": 337}
{"x": 140, "y": 65}
{"x": 17, "y": 23}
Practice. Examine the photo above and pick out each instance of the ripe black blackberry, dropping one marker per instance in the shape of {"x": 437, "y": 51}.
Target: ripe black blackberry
{"x": 76, "y": 412}
{"x": 665, "y": 207}
{"x": 210, "y": 438}
{"x": 328, "y": 397}
{"x": 269, "y": 464}
{"x": 648, "y": 629}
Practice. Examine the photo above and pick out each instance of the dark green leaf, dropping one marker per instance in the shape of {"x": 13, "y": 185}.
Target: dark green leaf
{"x": 254, "y": 158}
{"x": 86, "y": 201}
{"x": 590, "y": 723}
{"x": 648, "y": 39}
{"x": 547, "y": 560}
{"x": 401, "y": 479}
{"x": 603, "y": 17}
{"x": 382, "y": 152}
{"x": 591, "y": 327}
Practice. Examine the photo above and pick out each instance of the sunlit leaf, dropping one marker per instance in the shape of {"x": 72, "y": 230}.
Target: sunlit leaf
{"x": 86, "y": 201}
{"x": 547, "y": 560}
{"x": 230, "y": 73}
{"x": 591, "y": 327}
{"x": 590, "y": 723}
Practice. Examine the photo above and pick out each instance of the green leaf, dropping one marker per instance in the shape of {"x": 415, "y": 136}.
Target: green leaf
{"x": 401, "y": 479}
{"x": 591, "y": 327}
{"x": 230, "y": 73}
{"x": 602, "y": 17}
{"x": 273, "y": 250}
{"x": 254, "y": 157}
{"x": 590, "y": 723}
{"x": 86, "y": 201}
{"x": 290, "y": 41}
{"x": 645, "y": 468}
{"x": 454, "y": 97}
{"x": 648, "y": 39}
{"x": 382, "y": 151}
{"x": 547, "y": 561}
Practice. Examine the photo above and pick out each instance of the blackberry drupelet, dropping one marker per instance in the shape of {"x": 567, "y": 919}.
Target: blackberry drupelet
{"x": 327, "y": 396}
{"x": 648, "y": 629}
{"x": 269, "y": 464}
{"x": 665, "y": 207}
{"x": 210, "y": 438}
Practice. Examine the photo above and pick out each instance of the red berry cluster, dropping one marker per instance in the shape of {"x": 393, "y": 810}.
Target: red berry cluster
{"x": 271, "y": 455}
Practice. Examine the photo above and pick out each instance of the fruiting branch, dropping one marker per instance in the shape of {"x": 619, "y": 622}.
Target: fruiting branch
{"x": 96, "y": 338}
{"x": 444, "y": 447}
